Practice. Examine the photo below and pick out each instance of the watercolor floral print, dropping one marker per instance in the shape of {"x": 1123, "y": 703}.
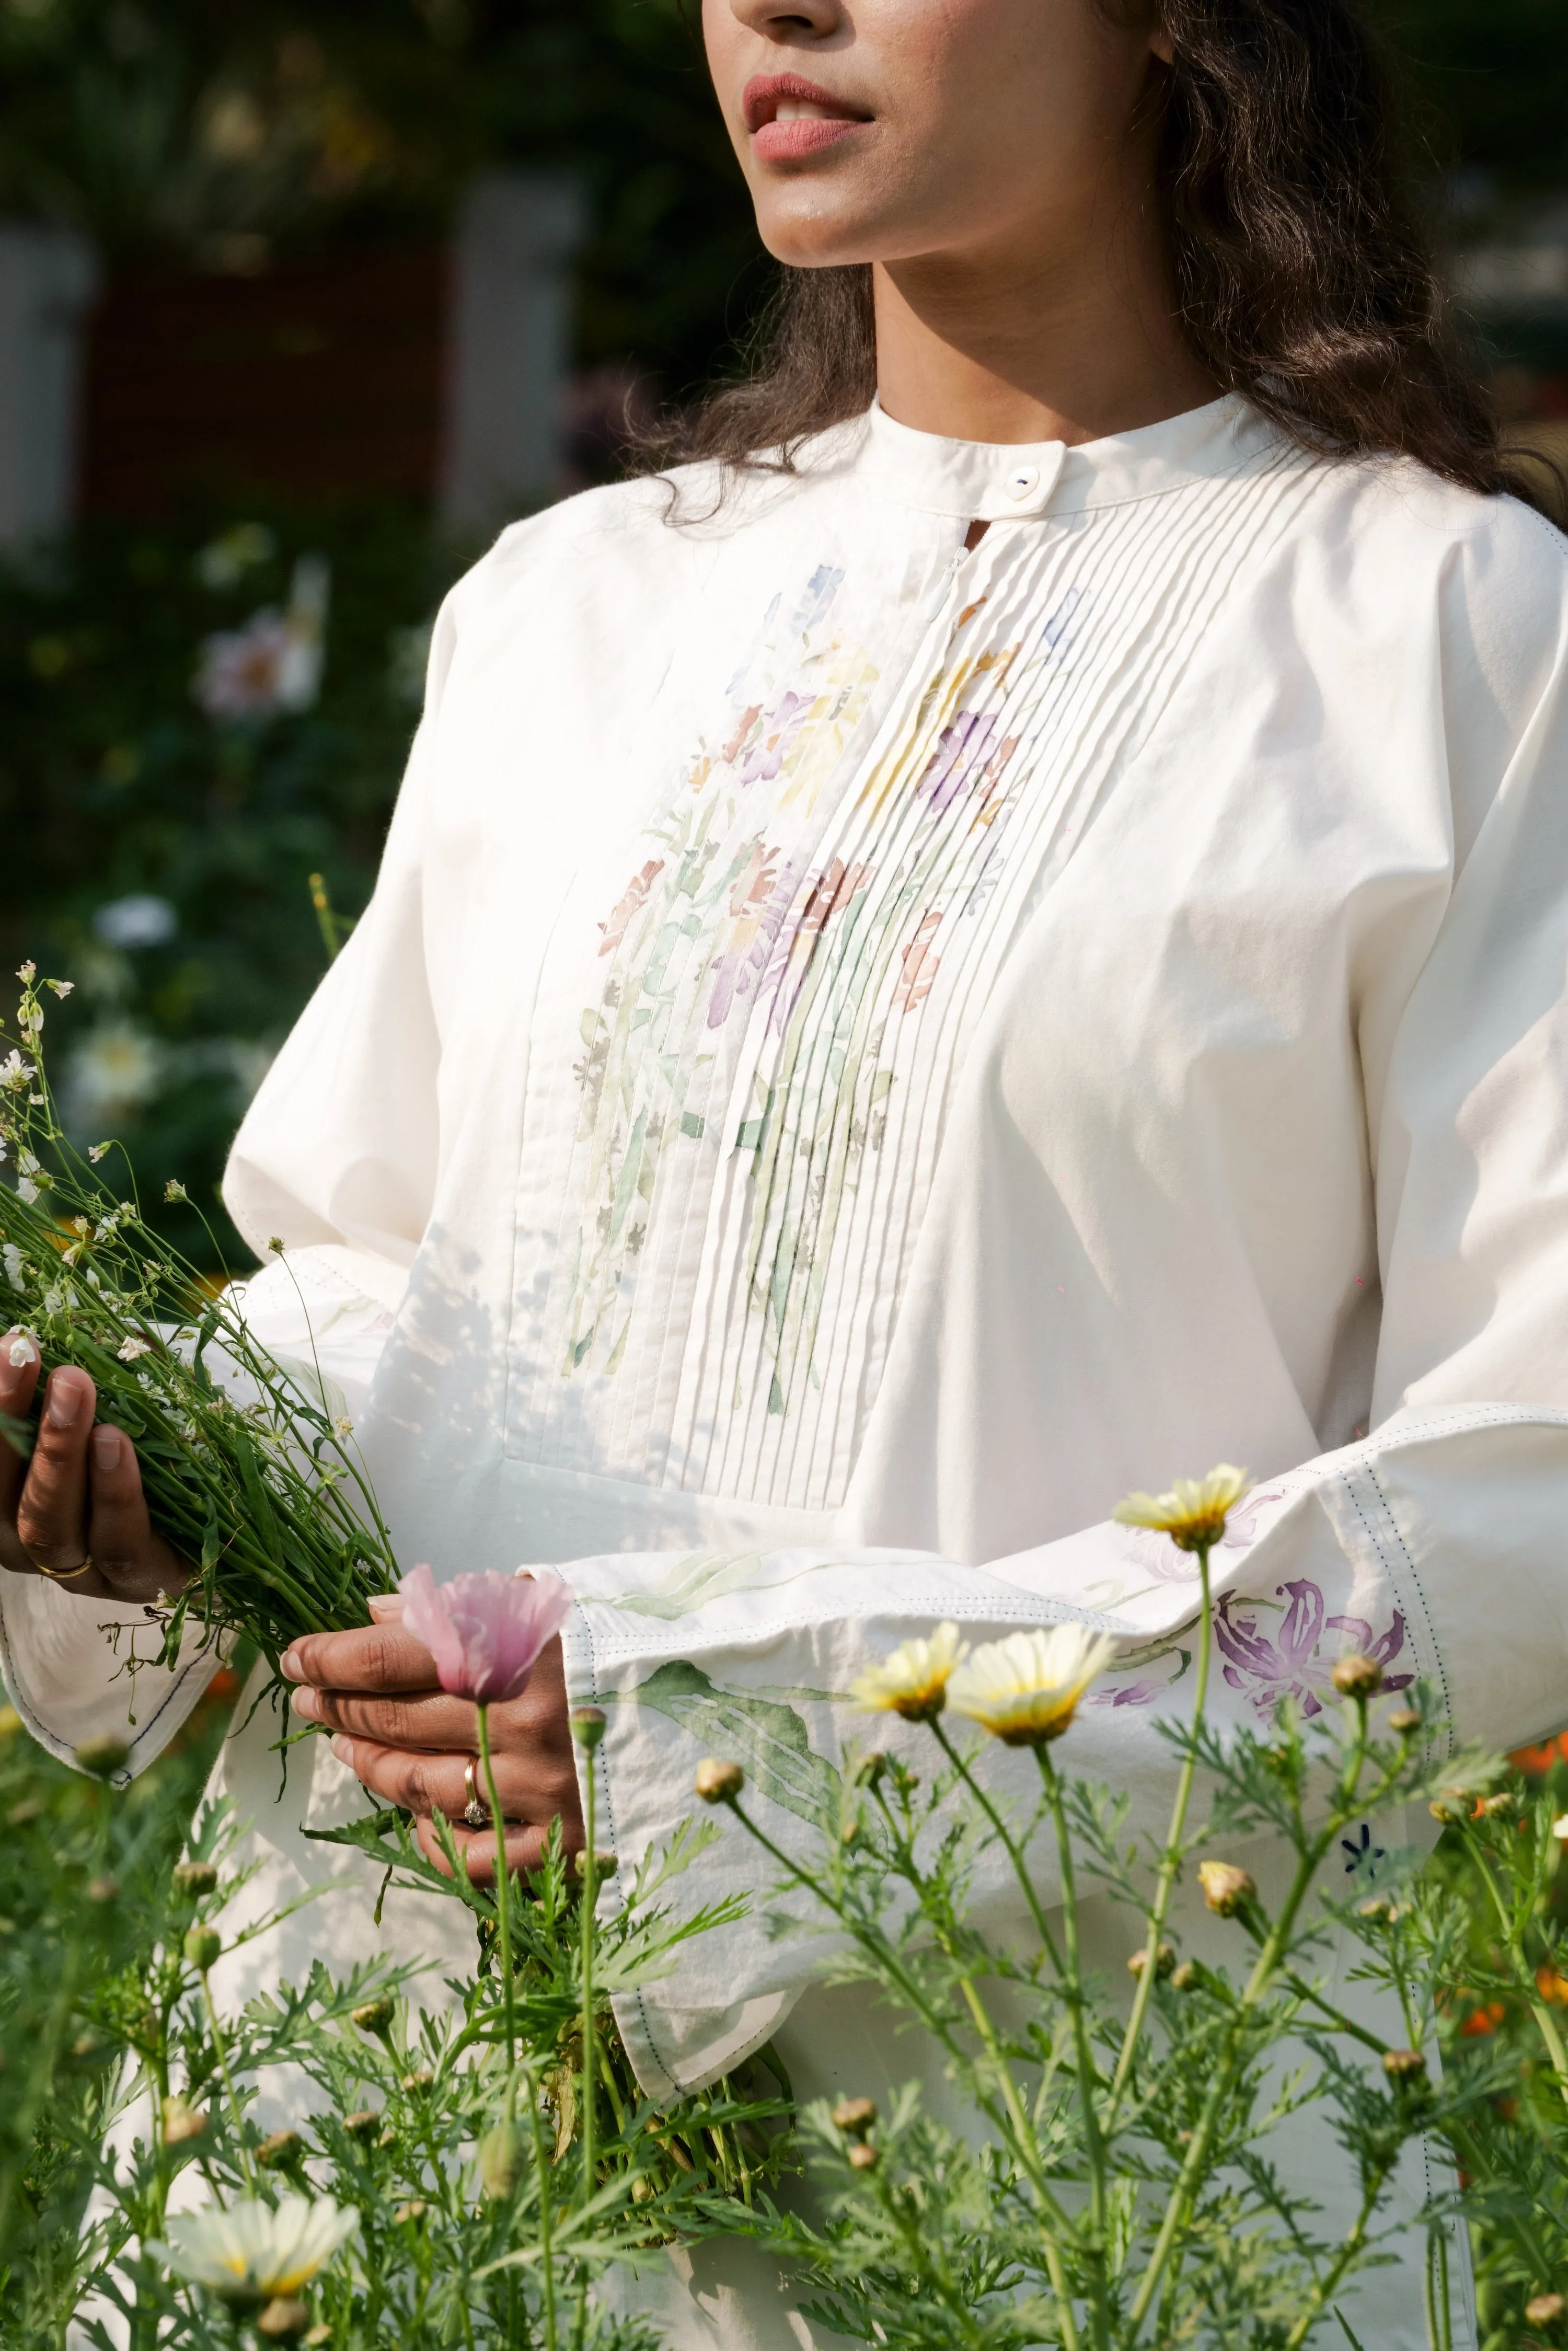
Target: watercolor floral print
{"x": 787, "y": 917}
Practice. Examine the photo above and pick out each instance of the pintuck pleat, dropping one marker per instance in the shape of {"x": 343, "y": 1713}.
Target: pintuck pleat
{"x": 780, "y": 992}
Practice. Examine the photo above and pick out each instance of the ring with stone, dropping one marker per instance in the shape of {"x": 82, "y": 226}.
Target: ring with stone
{"x": 476, "y": 1811}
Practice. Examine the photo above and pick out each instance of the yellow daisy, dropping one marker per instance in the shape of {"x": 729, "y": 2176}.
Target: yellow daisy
{"x": 913, "y": 1682}
{"x": 1195, "y": 1511}
{"x": 1025, "y": 1690}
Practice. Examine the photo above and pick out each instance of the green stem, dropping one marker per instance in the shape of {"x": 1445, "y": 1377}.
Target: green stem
{"x": 1330, "y": 2282}
{"x": 1009, "y": 1845}
{"x": 1171, "y": 1859}
{"x": 590, "y": 2039}
{"x": 1546, "y": 2023}
{"x": 220, "y": 2050}
{"x": 1267, "y": 1967}
{"x": 503, "y": 1898}
{"x": 1088, "y": 2075}
{"x": 901, "y": 1982}
{"x": 547, "y": 2222}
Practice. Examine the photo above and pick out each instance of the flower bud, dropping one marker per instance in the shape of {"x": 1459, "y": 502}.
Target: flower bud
{"x": 1378, "y": 1912}
{"x": 1357, "y": 1676}
{"x": 365, "y": 2123}
{"x": 866, "y": 1771}
{"x": 1404, "y": 2066}
{"x": 1225, "y": 1886}
{"x": 1164, "y": 1961}
{"x": 1544, "y": 2309}
{"x": 374, "y": 2016}
{"x": 717, "y": 1782}
{"x": 588, "y": 1723}
{"x": 203, "y": 1946}
{"x": 1451, "y": 1807}
{"x": 1502, "y": 1806}
{"x": 100, "y": 1758}
{"x": 1405, "y": 1722}
{"x": 414, "y": 2210}
{"x": 279, "y": 2150}
{"x": 318, "y": 2338}
{"x": 605, "y": 1865}
{"x": 283, "y": 2321}
{"x": 195, "y": 1877}
{"x": 854, "y": 2116}
{"x": 420, "y": 2079}
{"x": 182, "y": 2122}
{"x": 102, "y": 1889}
{"x": 864, "y": 2156}
{"x": 1184, "y": 1978}
{"x": 499, "y": 2160}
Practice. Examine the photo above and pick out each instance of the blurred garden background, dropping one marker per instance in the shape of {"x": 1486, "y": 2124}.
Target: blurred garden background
{"x": 298, "y": 305}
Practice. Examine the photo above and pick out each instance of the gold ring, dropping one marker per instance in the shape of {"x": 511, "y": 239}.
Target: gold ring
{"x": 65, "y": 1574}
{"x": 477, "y": 1812}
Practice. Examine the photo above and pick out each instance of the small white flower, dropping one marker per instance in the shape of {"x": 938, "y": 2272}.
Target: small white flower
{"x": 15, "y": 1073}
{"x": 129, "y": 1350}
{"x": 27, "y": 1164}
{"x": 62, "y": 987}
{"x": 344, "y": 1428}
{"x": 26, "y": 1189}
{"x": 138, "y": 921}
{"x": 27, "y": 973}
{"x": 1025, "y": 1690}
{"x": 117, "y": 1068}
{"x": 913, "y": 1681}
{"x": 15, "y": 1262}
{"x": 174, "y": 1190}
{"x": 274, "y": 662}
{"x": 1560, "y": 1828}
{"x": 54, "y": 1301}
{"x": 92, "y": 1280}
{"x": 97, "y": 1151}
{"x": 22, "y": 1352}
{"x": 254, "y": 2251}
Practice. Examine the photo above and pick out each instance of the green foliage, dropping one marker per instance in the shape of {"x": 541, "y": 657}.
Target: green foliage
{"x": 1122, "y": 2181}
{"x": 484, "y": 2209}
{"x": 84, "y": 1881}
{"x": 114, "y": 783}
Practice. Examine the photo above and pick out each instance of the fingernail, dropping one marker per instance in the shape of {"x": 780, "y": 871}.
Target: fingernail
{"x": 305, "y": 1702}
{"x": 63, "y": 1409}
{"x": 385, "y": 1604}
{"x": 106, "y": 1448}
{"x": 293, "y": 1671}
{"x": 343, "y": 1749}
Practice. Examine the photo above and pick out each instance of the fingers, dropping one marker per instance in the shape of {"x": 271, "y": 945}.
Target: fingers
{"x": 525, "y": 1848}
{"x": 382, "y": 1657}
{"x": 530, "y": 1793}
{"x": 51, "y": 1510}
{"x": 422, "y": 1719}
{"x": 135, "y": 1563}
{"x": 18, "y": 1379}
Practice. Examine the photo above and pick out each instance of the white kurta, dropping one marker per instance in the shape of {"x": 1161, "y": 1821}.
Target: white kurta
{"x": 863, "y": 1050}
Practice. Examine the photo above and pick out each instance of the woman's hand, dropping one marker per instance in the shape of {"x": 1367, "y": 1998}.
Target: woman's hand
{"x": 75, "y": 1512}
{"x": 399, "y": 1732}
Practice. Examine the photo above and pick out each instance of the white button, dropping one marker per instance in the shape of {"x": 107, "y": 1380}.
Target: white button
{"x": 1020, "y": 484}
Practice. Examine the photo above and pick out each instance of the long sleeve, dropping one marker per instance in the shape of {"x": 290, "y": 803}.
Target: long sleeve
{"x": 1439, "y": 1541}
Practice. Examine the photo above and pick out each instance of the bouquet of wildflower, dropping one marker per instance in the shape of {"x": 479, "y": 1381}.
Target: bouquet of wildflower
{"x": 250, "y": 1472}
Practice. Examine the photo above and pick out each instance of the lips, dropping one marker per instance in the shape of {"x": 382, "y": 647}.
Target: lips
{"x": 831, "y": 120}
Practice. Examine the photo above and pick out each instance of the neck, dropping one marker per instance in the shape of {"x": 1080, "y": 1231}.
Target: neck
{"x": 1028, "y": 344}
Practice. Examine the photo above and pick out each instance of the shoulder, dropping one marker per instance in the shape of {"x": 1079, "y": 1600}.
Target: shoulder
{"x": 1392, "y": 516}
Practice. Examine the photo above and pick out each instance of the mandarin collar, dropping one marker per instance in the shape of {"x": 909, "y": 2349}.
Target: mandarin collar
{"x": 990, "y": 481}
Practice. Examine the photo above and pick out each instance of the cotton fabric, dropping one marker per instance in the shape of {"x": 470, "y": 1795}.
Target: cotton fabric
{"x": 863, "y": 1049}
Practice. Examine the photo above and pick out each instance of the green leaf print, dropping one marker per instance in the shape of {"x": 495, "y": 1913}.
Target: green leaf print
{"x": 768, "y": 1739}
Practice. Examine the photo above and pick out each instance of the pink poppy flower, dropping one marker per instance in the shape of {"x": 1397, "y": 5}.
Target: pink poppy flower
{"x": 485, "y": 1632}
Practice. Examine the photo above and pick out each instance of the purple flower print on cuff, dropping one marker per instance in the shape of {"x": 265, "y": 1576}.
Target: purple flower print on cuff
{"x": 1266, "y": 1670}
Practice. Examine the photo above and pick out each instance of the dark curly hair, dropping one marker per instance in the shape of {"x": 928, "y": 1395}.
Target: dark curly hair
{"x": 1302, "y": 276}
